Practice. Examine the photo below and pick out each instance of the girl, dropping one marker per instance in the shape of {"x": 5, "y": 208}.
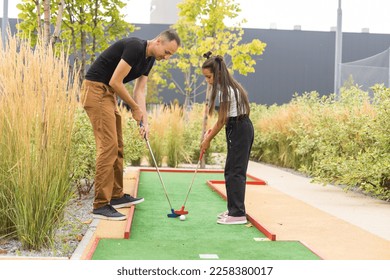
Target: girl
{"x": 234, "y": 115}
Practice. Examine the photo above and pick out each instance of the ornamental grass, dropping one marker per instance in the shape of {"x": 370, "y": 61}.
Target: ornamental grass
{"x": 37, "y": 110}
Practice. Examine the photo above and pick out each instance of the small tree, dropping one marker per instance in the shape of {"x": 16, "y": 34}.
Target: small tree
{"x": 201, "y": 28}
{"x": 88, "y": 26}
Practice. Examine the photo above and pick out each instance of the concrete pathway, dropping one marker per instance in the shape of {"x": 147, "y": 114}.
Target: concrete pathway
{"x": 370, "y": 214}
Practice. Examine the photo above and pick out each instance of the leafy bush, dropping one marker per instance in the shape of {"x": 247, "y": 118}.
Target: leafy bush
{"x": 134, "y": 144}
{"x": 335, "y": 140}
{"x": 193, "y": 135}
{"x": 83, "y": 151}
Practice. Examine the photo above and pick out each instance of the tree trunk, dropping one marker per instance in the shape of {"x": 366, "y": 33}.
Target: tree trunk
{"x": 95, "y": 24}
{"x": 205, "y": 118}
{"x": 187, "y": 102}
{"x": 39, "y": 26}
{"x": 46, "y": 22}
{"x": 57, "y": 29}
{"x": 83, "y": 48}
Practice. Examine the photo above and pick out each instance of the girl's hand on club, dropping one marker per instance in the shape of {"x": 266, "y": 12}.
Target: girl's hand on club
{"x": 206, "y": 141}
{"x": 205, "y": 145}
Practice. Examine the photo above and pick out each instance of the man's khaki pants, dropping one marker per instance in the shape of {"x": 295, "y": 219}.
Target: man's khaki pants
{"x": 99, "y": 102}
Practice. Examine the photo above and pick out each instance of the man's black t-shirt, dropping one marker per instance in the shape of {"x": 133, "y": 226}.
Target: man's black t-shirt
{"x": 132, "y": 50}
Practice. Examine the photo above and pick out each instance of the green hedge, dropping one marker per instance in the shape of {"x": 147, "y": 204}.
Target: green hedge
{"x": 341, "y": 140}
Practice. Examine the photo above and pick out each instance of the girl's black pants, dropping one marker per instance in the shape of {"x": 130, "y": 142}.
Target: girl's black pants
{"x": 239, "y": 138}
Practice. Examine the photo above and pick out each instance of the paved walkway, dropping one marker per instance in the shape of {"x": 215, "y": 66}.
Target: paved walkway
{"x": 367, "y": 213}
{"x": 357, "y": 226}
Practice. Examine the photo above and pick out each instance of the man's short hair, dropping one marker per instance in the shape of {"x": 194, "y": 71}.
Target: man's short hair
{"x": 170, "y": 35}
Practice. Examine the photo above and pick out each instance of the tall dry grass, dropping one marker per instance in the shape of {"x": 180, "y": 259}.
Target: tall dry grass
{"x": 166, "y": 135}
{"x": 176, "y": 151}
{"x": 175, "y": 135}
{"x": 37, "y": 109}
{"x": 158, "y": 126}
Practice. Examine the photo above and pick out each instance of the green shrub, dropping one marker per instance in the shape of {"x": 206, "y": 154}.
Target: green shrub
{"x": 83, "y": 152}
{"x": 134, "y": 145}
{"x": 341, "y": 141}
{"x": 193, "y": 135}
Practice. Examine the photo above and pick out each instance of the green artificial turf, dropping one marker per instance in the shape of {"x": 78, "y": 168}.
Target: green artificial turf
{"x": 154, "y": 236}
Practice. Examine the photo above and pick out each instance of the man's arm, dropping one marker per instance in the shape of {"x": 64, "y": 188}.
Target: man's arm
{"x": 116, "y": 82}
{"x": 140, "y": 99}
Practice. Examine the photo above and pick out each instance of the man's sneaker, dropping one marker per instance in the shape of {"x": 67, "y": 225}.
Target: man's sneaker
{"x": 107, "y": 212}
{"x": 223, "y": 214}
{"x": 230, "y": 220}
{"x": 125, "y": 201}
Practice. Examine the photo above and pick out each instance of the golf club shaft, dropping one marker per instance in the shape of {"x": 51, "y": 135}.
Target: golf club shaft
{"x": 193, "y": 177}
{"x": 196, "y": 171}
{"x": 158, "y": 172}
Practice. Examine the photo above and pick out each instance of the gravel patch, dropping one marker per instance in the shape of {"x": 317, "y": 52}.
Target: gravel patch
{"x": 78, "y": 216}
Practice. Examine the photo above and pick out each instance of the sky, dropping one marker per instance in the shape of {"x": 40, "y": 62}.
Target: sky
{"x": 311, "y": 15}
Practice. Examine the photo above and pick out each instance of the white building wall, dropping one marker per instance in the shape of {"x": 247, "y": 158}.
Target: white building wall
{"x": 164, "y": 11}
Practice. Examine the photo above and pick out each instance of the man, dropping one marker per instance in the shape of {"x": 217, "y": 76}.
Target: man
{"x": 126, "y": 60}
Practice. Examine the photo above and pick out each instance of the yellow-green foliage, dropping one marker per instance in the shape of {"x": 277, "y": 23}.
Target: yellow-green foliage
{"x": 134, "y": 144}
{"x": 193, "y": 134}
{"x": 37, "y": 109}
{"x": 202, "y": 27}
{"x": 343, "y": 141}
{"x": 83, "y": 148}
{"x": 175, "y": 135}
{"x": 176, "y": 150}
{"x": 158, "y": 131}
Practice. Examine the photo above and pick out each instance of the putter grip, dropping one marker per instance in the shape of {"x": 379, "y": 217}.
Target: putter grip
{"x": 141, "y": 124}
{"x": 201, "y": 155}
{"x": 202, "y": 152}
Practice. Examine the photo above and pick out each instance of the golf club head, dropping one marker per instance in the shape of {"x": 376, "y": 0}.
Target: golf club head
{"x": 181, "y": 211}
{"x": 172, "y": 214}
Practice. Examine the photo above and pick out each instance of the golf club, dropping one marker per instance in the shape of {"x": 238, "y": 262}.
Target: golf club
{"x": 172, "y": 214}
{"x": 182, "y": 211}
